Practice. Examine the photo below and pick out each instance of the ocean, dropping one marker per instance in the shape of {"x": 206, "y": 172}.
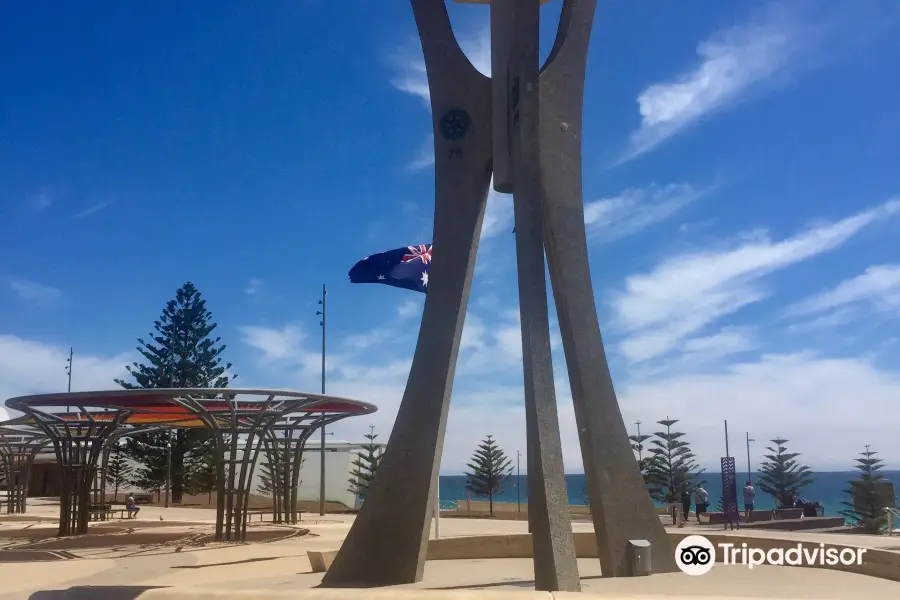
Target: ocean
{"x": 827, "y": 488}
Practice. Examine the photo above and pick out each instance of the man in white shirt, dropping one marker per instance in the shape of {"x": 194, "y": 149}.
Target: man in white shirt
{"x": 701, "y": 500}
{"x": 749, "y": 497}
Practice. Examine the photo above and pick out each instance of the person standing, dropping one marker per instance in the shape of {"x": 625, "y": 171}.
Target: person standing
{"x": 701, "y": 500}
{"x": 686, "y": 504}
{"x": 749, "y": 497}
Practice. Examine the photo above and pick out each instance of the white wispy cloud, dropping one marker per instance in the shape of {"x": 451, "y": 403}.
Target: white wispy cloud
{"x": 498, "y": 214}
{"x": 685, "y": 293}
{"x": 42, "y": 199}
{"x": 424, "y": 158}
{"x": 31, "y": 291}
{"x": 93, "y": 209}
{"x": 253, "y": 286}
{"x": 731, "y": 62}
{"x": 631, "y": 211}
{"x": 409, "y": 309}
{"x": 877, "y": 287}
{"x": 32, "y": 367}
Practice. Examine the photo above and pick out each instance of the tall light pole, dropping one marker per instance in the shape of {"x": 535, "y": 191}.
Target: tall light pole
{"x": 168, "y": 465}
{"x": 322, "y": 441}
{"x": 69, "y": 371}
{"x": 518, "y": 486}
{"x": 749, "y": 439}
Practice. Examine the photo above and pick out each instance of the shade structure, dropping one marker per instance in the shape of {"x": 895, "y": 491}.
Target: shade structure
{"x": 238, "y": 419}
{"x": 18, "y": 448}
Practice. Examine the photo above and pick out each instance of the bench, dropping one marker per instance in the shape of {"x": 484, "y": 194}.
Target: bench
{"x": 102, "y": 512}
{"x": 758, "y": 515}
{"x": 266, "y": 511}
{"x": 142, "y": 498}
{"x": 788, "y": 513}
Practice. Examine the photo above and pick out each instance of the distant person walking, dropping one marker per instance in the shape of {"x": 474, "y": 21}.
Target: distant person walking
{"x": 686, "y": 504}
{"x": 132, "y": 507}
{"x": 701, "y": 500}
{"x": 749, "y": 497}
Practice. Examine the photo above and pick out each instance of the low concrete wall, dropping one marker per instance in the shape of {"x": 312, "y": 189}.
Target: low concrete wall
{"x": 394, "y": 594}
{"x": 508, "y": 510}
{"x": 876, "y": 563}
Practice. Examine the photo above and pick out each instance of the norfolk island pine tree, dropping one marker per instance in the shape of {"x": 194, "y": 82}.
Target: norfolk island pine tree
{"x": 181, "y": 354}
{"x": 488, "y": 471}
{"x": 866, "y": 506}
{"x": 781, "y": 476}
{"x": 365, "y": 466}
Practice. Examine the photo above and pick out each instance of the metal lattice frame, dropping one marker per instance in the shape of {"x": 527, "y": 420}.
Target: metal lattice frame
{"x": 98, "y": 494}
{"x": 78, "y": 440}
{"x": 283, "y": 446}
{"x": 238, "y": 428}
{"x": 18, "y": 449}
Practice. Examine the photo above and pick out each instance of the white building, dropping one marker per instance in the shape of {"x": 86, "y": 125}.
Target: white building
{"x": 339, "y": 458}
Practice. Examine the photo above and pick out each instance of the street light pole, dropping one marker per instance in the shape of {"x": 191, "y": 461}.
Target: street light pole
{"x": 749, "y": 439}
{"x": 518, "y": 486}
{"x": 168, "y": 466}
{"x": 322, "y": 441}
{"x": 69, "y": 371}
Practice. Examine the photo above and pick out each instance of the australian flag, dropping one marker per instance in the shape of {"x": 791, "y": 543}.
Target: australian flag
{"x": 405, "y": 267}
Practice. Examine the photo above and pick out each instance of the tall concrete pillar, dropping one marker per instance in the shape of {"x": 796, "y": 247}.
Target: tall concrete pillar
{"x": 387, "y": 543}
{"x": 555, "y": 563}
{"x": 620, "y": 505}
{"x": 537, "y": 148}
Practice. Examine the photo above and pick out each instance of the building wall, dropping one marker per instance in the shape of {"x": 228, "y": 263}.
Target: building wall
{"x": 339, "y": 457}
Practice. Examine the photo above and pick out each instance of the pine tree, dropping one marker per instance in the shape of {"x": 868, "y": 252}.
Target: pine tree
{"x": 490, "y": 469}
{"x": 266, "y": 486}
{"x": 637, "y": 444}
{"x": 181, "y": 354}
{"x": 118, "y": 471}
{"x": 671, "y": 467}
{"x": 203, "y": 477}
{"x": 866, "y": 505}
{"x": 365, "y": 466}
{"x": 781, "y": 476}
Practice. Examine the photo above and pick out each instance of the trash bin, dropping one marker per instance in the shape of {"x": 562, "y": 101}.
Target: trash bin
{"x": 637, "y": 559}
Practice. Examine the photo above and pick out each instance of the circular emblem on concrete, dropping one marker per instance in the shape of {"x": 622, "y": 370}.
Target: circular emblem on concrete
{"x": 455, "y": 124}
{"x": 695, "y": 555}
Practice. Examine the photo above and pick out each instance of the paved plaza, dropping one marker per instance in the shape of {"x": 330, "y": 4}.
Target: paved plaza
{"x": 174, "y": 547}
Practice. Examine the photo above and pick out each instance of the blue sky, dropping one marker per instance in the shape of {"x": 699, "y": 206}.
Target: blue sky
{"x": 742, "y": 200}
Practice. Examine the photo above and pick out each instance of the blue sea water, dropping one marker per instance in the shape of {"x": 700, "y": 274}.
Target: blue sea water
{"x": 828, "y": 488}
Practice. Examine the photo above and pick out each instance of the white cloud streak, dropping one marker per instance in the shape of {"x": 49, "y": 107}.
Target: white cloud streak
{"x": 633, "y": 210}
{"x": 731, "y": 62}
{"x": 36, "y": 293}
{"x": 93, "y": 209}
{"x": 685, "y": 293}
{"x": 878, "y": 287}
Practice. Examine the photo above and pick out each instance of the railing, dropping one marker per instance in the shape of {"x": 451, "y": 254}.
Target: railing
{"x": 893, "y": 517}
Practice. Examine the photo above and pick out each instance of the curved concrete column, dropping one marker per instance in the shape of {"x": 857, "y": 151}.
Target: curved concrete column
{"x": 387, "y": 543}
{"x": 555, "y": 563}
{"x": 620, "y": 504}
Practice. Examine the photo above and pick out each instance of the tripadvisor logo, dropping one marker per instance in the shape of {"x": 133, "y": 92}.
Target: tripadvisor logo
{"x": 696, "y": 555}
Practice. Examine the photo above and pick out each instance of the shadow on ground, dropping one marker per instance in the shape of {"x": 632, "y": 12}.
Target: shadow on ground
{"x": 112, "y": 536}
{"x": 92, "y": 592}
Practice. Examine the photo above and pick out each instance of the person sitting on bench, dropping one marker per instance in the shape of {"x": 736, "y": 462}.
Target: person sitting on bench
{"x": 132, "y": 508}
